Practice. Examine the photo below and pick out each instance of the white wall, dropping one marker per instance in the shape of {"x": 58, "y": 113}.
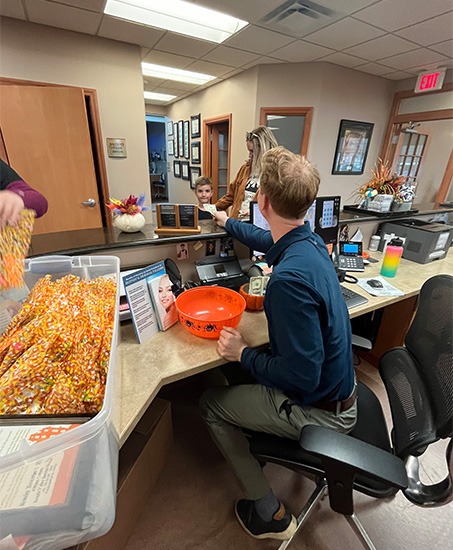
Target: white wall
{"x": 334, "y": 92}
{"x": 46, "y": 54}
{"x": 238, "y": 96}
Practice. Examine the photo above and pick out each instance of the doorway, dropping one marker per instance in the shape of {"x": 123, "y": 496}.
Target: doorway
{"x": 216, "y": 153}
{"x": 157, "y": 158}
{"x": 54, "y": 142}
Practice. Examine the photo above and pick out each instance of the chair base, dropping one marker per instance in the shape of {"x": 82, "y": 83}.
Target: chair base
{"x": 319, "y": 494}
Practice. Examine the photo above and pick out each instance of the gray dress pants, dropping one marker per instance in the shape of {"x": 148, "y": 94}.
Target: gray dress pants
{"x": 227, "y": 409}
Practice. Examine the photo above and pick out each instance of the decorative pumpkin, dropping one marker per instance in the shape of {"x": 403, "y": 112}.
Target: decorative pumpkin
{"x": 253, "y": 303}
{"x": 129, "y": 223}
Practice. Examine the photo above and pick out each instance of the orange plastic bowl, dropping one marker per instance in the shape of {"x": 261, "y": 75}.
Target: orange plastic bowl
{"x": 205, "y": 310}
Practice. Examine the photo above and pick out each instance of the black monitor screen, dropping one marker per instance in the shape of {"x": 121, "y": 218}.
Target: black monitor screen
{"x": 323, "y": 217}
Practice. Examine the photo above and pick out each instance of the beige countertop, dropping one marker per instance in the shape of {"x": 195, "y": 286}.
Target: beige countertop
{"x": 175, "y": 354}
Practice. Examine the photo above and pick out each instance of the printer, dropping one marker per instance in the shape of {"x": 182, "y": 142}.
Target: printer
{"x": 423, "y": 241}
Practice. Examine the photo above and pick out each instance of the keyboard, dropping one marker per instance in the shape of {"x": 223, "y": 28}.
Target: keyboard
{"x": 352, "y": 299}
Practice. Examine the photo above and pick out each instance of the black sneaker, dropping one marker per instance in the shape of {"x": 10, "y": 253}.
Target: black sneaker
{"x": 281, "y": 527}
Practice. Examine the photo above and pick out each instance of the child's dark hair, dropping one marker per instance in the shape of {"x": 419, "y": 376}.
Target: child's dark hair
{"x": 202, "y": 180}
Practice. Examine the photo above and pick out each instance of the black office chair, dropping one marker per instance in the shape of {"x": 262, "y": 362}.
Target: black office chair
{"x": 419, "y": 382}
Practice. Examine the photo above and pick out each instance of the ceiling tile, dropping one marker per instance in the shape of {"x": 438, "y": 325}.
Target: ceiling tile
{"x": 398, "y": 75}
{"x": 63, "y": 17}
{"x": 168, "y": 59}
{"x": 340, "y": 58}
{"x": 246, "y": 10}
{"x": 261, "y": 61}
{"x": 346, "y": 6}
{"x": 229, "y": 56}
{"x": 384, "y": 46}
{"x": 206, "y": 67}
{"x": 184, "y": 86}
{"x": 392, "y": 15}
{"x": 415, "y": 58}
{"x": 124, "y": 31}
{"x": 90, "y": 5}
{"x": 300, "y": 51}
{"x": 373, "y": 68}
{"x": 167, "y": 89}
{"x": 443, "y": 47}
{"x": 258, "y": 40}
{"x": 12, "y": 8}
{"x": 176, "y": 43}
{"x": 344, "y": 34}
{"x": 150, "y": 83}
{"x": 431, "y": 31}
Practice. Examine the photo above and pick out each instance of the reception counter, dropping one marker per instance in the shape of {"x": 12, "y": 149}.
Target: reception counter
{"x": 109, "y": 240}
{"x": 175, "y": 354}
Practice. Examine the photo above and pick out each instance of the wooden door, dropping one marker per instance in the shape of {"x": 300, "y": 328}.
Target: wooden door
{"x": 47, "y": 140}
{"x": 216, "y": 153}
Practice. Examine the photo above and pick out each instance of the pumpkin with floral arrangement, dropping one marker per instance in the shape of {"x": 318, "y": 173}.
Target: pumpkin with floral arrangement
{"x": 127, "y": 213}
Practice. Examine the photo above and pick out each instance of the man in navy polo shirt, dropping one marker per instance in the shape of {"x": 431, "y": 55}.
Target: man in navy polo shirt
{"x": 307, "y": 374}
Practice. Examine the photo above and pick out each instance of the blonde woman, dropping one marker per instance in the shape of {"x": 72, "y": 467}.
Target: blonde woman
{"x": 246, "y": 183}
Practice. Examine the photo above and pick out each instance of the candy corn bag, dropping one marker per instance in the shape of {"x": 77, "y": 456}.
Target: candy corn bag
{"x": 14, "y": 245}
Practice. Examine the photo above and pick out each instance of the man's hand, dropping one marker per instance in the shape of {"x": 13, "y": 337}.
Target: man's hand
{"x": 220, "y": 217}
{"x": 231, "y": 344}
{"x": 11, "y": 205}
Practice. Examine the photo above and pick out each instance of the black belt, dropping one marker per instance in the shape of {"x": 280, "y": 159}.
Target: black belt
{"x": 338, "y": 406}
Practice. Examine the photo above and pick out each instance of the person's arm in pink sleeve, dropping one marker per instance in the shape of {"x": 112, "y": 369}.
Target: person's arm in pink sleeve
{"x": 33, "y": 199}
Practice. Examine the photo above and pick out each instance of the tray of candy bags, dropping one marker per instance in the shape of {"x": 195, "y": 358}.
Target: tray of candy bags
{"x": 58, "y": 442}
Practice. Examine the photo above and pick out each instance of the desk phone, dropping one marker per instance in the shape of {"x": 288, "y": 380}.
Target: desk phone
{"x": 350, "y": 257}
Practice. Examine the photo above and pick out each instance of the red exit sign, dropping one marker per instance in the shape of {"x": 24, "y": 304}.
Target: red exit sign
{"x": 427, "y": 82}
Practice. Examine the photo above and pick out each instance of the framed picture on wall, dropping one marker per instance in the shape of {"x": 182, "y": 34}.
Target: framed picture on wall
{"x": 170, "y": 147}
{"x": 352, "y": 147}
{"x": 195, "y": 129}
{"x": 177, "y": 168}
{"x": 180, "y": 138}
{"x": 175, "y": 140}
{"x": 185, "y": 169}
{"x": 169, "y": 128}
{"x": 186, "y": 140}
{"x": 195, "y": 173}
{"x": 196, "y": 159}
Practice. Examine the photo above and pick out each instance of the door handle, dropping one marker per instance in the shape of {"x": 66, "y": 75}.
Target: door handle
{"x": 90, "y": 202}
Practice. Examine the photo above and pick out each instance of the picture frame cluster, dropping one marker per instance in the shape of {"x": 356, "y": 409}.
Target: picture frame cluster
{"x": 180, "y": 145}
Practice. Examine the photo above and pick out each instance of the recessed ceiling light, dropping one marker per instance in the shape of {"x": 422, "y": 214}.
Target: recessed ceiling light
{"x": 177, "y": 16}
{"x": 170, "y": 73}
{"x": 154, "y": 96}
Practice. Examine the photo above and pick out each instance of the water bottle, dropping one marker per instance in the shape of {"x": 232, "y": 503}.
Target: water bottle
{"x": 392, "y": 257}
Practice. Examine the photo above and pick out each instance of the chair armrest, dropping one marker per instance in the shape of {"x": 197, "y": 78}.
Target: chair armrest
{"x": 355, "y": 455}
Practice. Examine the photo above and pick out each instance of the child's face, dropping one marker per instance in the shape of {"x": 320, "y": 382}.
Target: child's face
{"x": 204, "y": 194}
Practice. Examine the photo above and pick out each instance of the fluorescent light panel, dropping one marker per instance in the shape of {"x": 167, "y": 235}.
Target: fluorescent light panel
{"x": 177, "y": 16}
{"x": 158, "y": 97}
{"x": 170, "y": 73}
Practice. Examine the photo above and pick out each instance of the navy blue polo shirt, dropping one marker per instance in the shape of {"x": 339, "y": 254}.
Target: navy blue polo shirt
{"x": 310, "y": 357}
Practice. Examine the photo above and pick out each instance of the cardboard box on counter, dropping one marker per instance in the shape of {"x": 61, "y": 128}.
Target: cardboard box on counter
{"x": 141, "y": 460}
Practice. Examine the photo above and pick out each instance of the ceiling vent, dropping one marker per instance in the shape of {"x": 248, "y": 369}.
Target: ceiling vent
{"x": 300, "y": 17}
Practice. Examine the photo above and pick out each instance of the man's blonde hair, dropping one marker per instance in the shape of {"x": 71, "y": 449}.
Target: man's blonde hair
{"x": 289, "y": 181}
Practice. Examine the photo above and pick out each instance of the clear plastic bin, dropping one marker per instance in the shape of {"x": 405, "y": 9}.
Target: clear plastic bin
{"x": 61, "y": 491}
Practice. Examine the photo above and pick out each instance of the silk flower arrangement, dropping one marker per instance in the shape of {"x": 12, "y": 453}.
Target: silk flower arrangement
{"x": 127, "y": 213}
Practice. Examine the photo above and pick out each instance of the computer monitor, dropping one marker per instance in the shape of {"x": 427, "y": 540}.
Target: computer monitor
{"x": 323, "y": 217}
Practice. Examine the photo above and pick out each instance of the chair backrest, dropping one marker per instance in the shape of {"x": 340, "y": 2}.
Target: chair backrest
{"x": 419, "y": 377}
{"x": 430, "y": 342}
